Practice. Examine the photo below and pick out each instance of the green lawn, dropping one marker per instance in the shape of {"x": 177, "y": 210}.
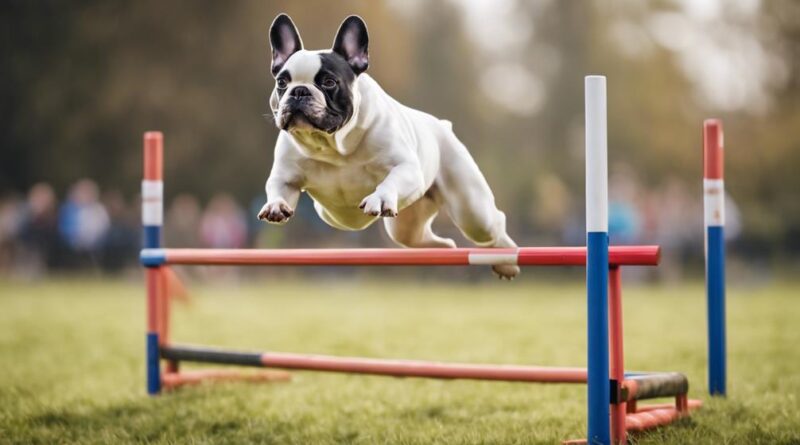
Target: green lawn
{"x": 72, "y": 371}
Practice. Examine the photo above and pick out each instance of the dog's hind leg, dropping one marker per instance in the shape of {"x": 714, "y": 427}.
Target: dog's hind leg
{"x": 412, "y": 226}
{"x": 486, "y": 227}
{"x": 470, "y": 203}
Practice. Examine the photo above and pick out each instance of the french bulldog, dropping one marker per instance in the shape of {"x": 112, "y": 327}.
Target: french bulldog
{"x": 362, "y": 156}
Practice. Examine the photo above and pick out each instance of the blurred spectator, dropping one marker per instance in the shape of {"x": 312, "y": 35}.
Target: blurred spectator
{"x": 11, "y": 215}
{"x": 223, "y": 225}
{"x": 733, "y": 219}
{"x": 553, "y": 207}
{"x": 675, "y": 219}
{"x": 83, "y": 221}
{"x": 38, "y": 232}
{"x": 182, "y": 222}
{"x": 624, "y": 217}
{"x": 121, "y": 241}
{"x": 624, "y": 222}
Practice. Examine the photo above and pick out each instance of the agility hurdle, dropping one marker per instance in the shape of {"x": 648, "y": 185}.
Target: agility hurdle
{"x": 714, "y": 221}
{"x": 613, "y": 394}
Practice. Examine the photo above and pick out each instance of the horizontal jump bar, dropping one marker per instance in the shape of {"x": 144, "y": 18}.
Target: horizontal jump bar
{"x": 358, "y": 365}
{"x": 522, "y": 256}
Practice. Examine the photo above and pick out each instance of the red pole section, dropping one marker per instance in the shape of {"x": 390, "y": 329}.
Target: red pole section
{"x": 153, "y": 155}
{"x": 691, "y": 405}
{"x": 617, "y": 359}
{"x": 413, "y": 368}
{"x": 523, "y": 256}
{"x": 163, "y": 308}
{"x": 653, "y": 416}
{"x": 712, "y": 149}
{"x": 175, "y": 379}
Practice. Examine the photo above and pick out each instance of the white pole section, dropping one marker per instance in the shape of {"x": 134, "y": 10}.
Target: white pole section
{"x": 596, "y": 155}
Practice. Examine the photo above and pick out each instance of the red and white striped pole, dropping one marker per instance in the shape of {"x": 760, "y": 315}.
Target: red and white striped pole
{"x": 714, "y": 203}
{"x": 152, "y": 220}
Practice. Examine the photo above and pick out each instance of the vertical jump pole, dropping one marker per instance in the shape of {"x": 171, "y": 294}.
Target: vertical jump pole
{"x": 619, "y": 433}
{"x": 597, "y": 259}
{"x": 714, "y": 219}
{"x": 152, "y": 219}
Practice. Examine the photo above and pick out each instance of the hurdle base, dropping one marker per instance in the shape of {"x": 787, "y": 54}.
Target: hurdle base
{"x": 648, "y": 417}
{"x": 173, "y": 380}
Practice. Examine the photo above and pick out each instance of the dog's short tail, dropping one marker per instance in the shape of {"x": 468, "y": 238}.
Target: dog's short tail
{"x": 447, "y": 124}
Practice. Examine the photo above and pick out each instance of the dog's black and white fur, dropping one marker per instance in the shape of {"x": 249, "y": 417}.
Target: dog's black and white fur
{"x": 361, "y": 155}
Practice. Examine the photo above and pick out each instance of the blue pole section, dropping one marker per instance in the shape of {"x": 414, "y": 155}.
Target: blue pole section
{"x": 153, "y": 365}
{"x": 715, "y": 291}
{"x": 598, "y": 379}
{"x": 152, "y": 239}
{"x": 599, "y": 430}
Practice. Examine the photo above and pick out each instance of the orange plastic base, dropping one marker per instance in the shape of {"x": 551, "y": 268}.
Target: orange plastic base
{"x": 183, "y": 378}
{"x": 648, "y": 417}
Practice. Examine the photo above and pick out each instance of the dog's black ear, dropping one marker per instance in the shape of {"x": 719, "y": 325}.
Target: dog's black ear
{"x": 351, "y": 42}
{"x": 285, "y": 41}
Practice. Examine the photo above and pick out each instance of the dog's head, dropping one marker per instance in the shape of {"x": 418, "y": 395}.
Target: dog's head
{"x": 314, "y": 90}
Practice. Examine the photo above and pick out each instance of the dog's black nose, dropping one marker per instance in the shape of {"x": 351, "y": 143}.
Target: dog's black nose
{"x": 300, "y": 91}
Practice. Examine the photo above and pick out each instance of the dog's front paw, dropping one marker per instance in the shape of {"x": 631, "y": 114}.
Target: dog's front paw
{"x": 277, "y": 212}
{"x": 378, "y": 203}
{"x": 506, "y": 271}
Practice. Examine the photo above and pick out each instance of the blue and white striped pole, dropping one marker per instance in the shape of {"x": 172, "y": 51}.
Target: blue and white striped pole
{"x": 597, "y": 260}
{"x": 714, "y": 220}
{"x": 152, "y": 220}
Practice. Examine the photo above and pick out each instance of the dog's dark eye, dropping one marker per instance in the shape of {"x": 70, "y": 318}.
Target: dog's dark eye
{"x": 329, "y": 83}
{"x": 282, "y": 83}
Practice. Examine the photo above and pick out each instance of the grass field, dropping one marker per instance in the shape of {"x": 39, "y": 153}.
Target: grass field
{"x": 72, "y": 371}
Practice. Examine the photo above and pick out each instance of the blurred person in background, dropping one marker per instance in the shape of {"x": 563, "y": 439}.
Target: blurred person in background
{"x": 553, "y": 208}
{"x": 39, "y": 232}
{"x": 222, "y": 225}
{"x": 733, "y": 219}
{"x": 675, "y": 222}
{"x": 182, "y": 222}
{"x": 182, "y": 227}
{"x": 11, "y": 214}
{"x": 83, "y": 222}
{"x": 624, "y": 215}
{"x": 121, "y": 241}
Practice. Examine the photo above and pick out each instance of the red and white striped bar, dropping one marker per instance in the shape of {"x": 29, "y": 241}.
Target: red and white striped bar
{"x": 522, "y": 256}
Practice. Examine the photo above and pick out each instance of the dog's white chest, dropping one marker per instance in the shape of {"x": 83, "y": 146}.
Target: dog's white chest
{"x": 341, "y": 186}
